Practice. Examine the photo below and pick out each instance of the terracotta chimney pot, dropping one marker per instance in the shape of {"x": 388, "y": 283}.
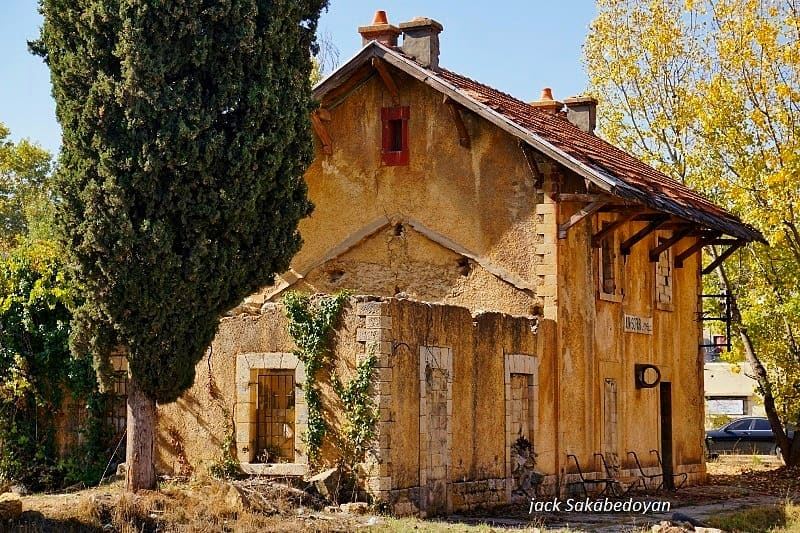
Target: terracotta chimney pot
{"x": 380, "y": 18}
{"x": 380, "y": 30}
{"x": 546, "y": 102}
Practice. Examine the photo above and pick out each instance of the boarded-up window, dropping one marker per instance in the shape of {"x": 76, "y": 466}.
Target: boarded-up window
{"x": 664, "y": 289}
{"x": 521, "y": 406}
{"x": 610, "y": 436}
{"x": 608, "y": 265}
{"x": 275, "y": 416}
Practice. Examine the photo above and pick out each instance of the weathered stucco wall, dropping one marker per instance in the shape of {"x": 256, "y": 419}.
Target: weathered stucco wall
{"x": 476, "y": 462}
{"x": 192, "y": 430}
{"x": 483, "y": 199}
{"x": 594, "y": 347}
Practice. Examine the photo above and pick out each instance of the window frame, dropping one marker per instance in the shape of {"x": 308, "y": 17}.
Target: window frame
{"x": 664, "y": 306}
{"x": 619, "y": 293}
{"x": 389, "y": 118}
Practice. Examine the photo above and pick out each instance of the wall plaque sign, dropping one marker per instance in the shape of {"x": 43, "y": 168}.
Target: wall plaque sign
{"x": 638, "y": 324}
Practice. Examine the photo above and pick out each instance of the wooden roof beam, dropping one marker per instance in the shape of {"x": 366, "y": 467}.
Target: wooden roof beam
{"x": 723, "y": 256}
{"x": 455, "y": 112}
{"x": 625, "y": 247}
{"x": 353, "y": 81}
{"x": 577, "y": 197}
{"x": 616, "y": 208}
{"x": 696, "y": 247}
{"x": 586, "y": 211}
{"x": 656, "y": 252}
{"x": 598, "y": 237}
{"x": 317, "y": 118}
{"x": 386, "y": 76}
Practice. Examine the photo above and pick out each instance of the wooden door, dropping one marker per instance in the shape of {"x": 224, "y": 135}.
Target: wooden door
{"x": 665, "y": 394}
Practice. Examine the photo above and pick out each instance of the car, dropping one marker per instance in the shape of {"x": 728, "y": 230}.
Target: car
{"x": 744, "y": 436}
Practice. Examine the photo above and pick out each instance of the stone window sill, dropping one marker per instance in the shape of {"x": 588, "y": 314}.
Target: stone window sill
{"x": 616, "y": 298}
{"x": 665, "y": 307}
{"x": 275, "y": 469}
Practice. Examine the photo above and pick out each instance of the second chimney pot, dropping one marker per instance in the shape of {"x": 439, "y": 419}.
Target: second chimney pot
{"x": 582, "y": 111}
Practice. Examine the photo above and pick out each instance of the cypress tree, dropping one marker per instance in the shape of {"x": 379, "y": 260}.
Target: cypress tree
{"x": 185, "y": 138}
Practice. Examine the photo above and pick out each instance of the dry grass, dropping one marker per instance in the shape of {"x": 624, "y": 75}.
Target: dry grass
{"x": 774, "y": 519}
{"x": 207, "y": 506}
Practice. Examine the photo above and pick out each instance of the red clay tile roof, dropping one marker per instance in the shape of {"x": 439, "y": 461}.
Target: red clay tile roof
{"x": 585, "y": 147}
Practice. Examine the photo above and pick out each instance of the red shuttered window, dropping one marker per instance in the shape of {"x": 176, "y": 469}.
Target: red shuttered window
{"x": 394, "y": 146}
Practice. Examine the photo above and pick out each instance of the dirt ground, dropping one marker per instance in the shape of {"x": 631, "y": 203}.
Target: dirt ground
{"x": 735, "y": 488}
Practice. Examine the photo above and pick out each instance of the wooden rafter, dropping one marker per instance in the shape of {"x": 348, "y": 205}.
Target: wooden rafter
{"x": 679, "y": 225}
{"x": 600, "y": 235}
{"x": 625, "y": 247}
{"x": 588, "y": 210}
{"x": 574, "y": 197}
{"x": 723, "y": 256}
{"x": 623, "y": 207}
{"x": 324, "y": 114}
{"x": 677, "y": 236}
{"x": 455, "y": 112}
{"x": 321, "y": 130}
{"x": 724, "y": 241}
{"x": 696, "y": 247}
{"x": 353, "y": 81}
{"x": 533, "y": 166}
{"x": 652, "y": 215}
{"x": 386, "y": 77}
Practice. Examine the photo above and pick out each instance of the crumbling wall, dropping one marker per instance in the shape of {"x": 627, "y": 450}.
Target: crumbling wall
{"x": 192, "y": 430}
{"x": 443, "y": 439}
{"x": 485, "y": 200}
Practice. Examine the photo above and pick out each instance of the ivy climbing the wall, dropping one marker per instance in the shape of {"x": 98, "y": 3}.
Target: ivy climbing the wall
{"x": 360, "y": 409}
{"x": 311, "y": 325}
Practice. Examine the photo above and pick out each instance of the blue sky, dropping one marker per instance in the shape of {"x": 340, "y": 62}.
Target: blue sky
{"x": 514, "y": 45}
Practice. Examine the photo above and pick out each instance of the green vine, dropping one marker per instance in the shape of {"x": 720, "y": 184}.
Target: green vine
{"x": 226, "y": 467}
{"x": 360, "y": 409}
{"x": 311, "y": 326}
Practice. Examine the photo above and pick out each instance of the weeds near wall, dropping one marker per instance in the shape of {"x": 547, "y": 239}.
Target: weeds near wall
{"x": 311, "y": 327}
{"x": 176, "y": 443}
{"x": 360, "y": 409}
{"x": 226, "y": 467}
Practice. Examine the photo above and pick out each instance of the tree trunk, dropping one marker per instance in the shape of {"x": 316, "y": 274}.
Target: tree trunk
{"x": 790, "y": 448}
{"x": 139, "y": 460}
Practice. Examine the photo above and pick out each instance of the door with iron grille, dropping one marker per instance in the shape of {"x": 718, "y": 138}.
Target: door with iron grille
{"x": 275, "y": 416}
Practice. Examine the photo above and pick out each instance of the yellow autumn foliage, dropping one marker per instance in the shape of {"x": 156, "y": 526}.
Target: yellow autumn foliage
{"x": 708, "y": 92}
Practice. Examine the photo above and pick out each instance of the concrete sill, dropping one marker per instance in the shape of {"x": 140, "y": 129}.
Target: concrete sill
{"x": 275, "y": 469}
{"x": 616, "y": 298}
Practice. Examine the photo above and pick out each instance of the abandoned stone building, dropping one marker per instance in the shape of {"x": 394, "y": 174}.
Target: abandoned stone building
{"x": 524, "y": 281}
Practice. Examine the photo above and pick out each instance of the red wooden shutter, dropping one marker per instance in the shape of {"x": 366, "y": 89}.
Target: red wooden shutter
{"x": 391, "y": 118}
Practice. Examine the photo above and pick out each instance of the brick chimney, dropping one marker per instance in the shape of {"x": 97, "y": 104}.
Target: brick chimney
{"x": 547, "y": 103}
{"x": 380, "y": 30}
{"x": 421, "y": 41}
{"x": 582, "y": 111}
